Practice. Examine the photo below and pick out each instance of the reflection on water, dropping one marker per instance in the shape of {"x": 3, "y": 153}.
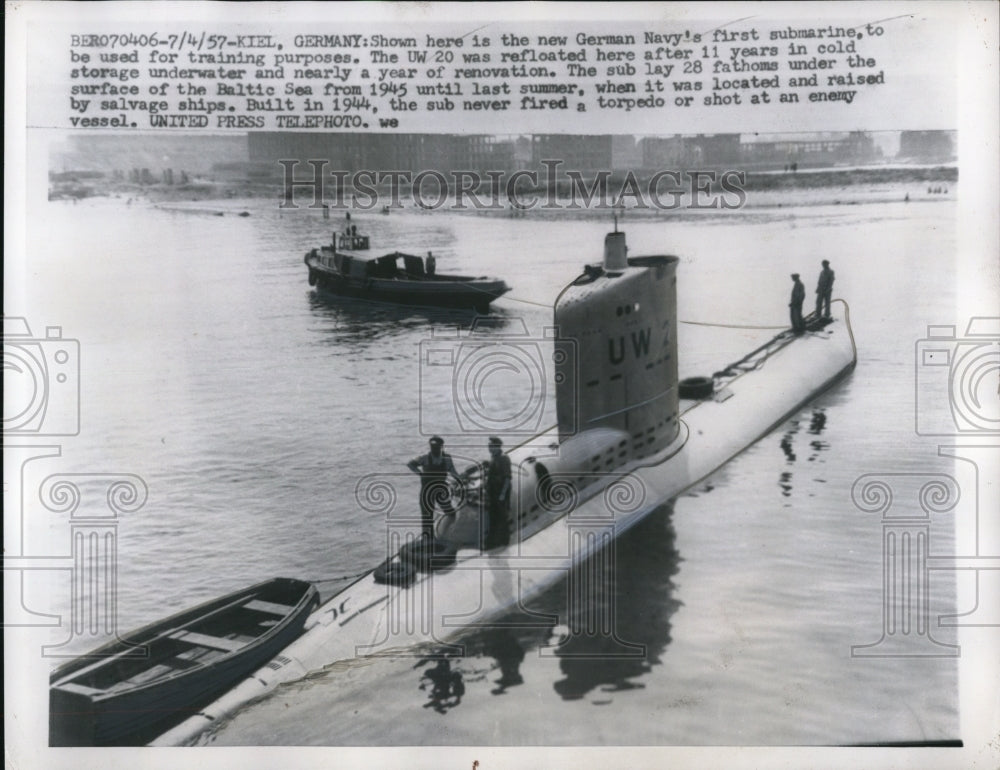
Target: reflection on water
{"x": 817, "y": 424}
{"x": 786, "y": 440}
{"x": 502, "y": 649}
{"x": 357, "y": 321}
{"x": 818, "y": 421}
{"x": 600, "y": 635}
{"x": 614, "y": 658}
{"x": 446, "y": 686}
{"x": 509, "y": 654}
{"x": 785, "y": 482}
{"x": 505, "y": 649}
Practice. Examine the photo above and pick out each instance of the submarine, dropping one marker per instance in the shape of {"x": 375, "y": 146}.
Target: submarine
{"x": 629, "y": 437}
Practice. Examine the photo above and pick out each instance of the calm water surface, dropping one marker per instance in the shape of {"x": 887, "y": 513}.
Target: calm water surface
{"x": 251, "y": 406}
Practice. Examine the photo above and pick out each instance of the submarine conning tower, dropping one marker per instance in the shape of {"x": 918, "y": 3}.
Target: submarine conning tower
{"x": 618, "y": 321}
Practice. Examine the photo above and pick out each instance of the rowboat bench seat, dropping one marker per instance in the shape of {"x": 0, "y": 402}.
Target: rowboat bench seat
{"x": 204, "y": 640}
{"x": 79, "y": 689}
{"x": 271, "y": 607}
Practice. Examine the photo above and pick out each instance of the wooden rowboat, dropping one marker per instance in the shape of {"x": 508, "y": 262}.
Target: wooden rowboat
{"x": 158, "y": 675}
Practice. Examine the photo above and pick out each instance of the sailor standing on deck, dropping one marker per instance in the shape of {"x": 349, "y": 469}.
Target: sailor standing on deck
{"x": 497, "y": 483}
{"x": 798, "y": 297}
{"x": 434, "y": 469}
{"x": 824, "y": 290}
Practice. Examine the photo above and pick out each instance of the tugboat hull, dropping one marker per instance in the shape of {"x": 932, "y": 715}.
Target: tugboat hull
{"x": 379, "y": 280}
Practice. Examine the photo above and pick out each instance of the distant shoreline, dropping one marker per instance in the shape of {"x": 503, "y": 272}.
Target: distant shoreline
{"x": 763, "y": 189}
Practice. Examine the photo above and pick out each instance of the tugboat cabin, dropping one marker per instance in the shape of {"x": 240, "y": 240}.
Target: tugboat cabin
{"x": 352, "y": 241}
{"x": 390, "y": 266}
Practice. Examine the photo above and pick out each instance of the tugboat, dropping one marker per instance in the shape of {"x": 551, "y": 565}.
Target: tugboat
{"x": 630, "y": 436}
{"x": 347, "y": 269}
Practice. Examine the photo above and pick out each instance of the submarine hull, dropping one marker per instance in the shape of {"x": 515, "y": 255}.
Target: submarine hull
{"x": 579, "y": 519}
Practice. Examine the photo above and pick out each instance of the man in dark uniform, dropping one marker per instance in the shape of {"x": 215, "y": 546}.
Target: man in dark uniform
{"x": 824, "y": 290}
{"x": 434, "y": 469}
{"x": 497, "y": 484}
{"x": 798, "y": 297}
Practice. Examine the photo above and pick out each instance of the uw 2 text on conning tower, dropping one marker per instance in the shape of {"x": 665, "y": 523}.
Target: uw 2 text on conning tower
{"x": 620, "y": 320}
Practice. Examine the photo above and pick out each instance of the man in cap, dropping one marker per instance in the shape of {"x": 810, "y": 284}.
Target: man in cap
{"x": 434, "y": 469}
{"x": 798, "y": 297}
{"x": 497, "y": 484}
{"x": 824, "y": 290}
